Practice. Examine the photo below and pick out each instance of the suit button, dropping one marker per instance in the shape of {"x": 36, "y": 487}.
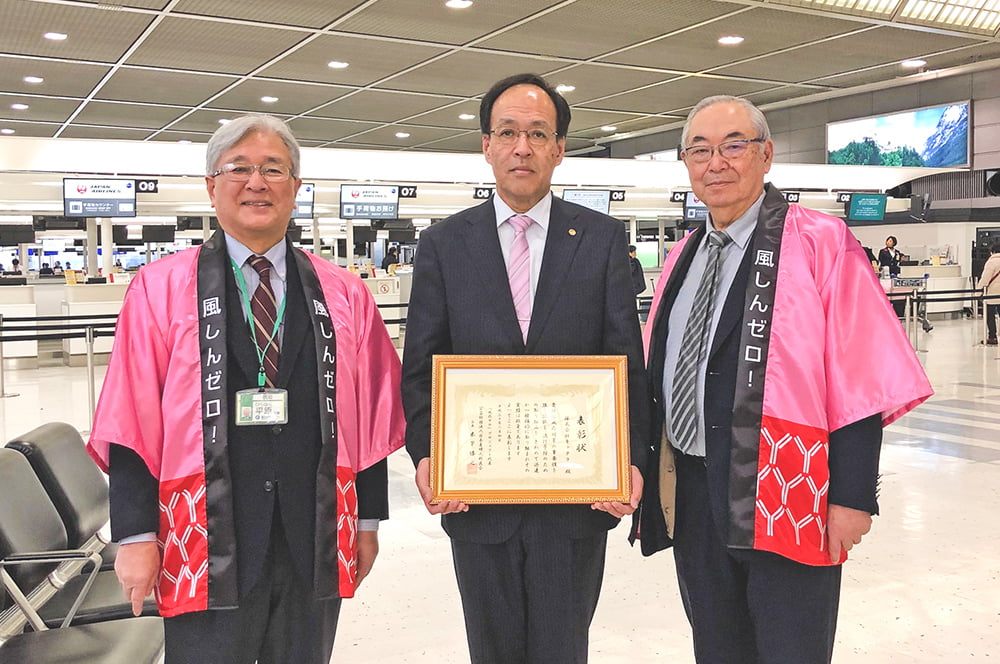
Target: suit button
{"x": 269, "y": 486}
{"x": 276, "y": 429}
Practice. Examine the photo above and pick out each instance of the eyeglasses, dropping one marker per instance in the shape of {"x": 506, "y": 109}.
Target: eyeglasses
{"x": 243, "y": 172}
{"x": 699, "y": 154}
{"x": 536, "y": 137}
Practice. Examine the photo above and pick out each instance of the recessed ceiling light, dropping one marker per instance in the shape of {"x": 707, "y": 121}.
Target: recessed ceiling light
{"x": 184, "y": 141}
{"x": 55, "y": 36}
{"x": 337, "y": 64}
{"x": 458, "y": 4}
{"x": 466, "y": 116}
{"x": 224, "y": 120}
{"x": 6, "y": 130}
{"x": 730, "y": 40}
{"x": 913, "y": 64}
{"x": 33, "y": 79}
{"x": 609, "y": 128}
{"x": 402, "y": 134}
{"x": 565, "y": 88}
{"x": 19, "y": 106}
{"x": 268, "y": 99}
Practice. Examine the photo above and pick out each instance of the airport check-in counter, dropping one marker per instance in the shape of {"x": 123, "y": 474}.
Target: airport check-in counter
{"x": 386, "y": 291}
{"x": 939, "y": 278}
{"x": 88, "y": 300}
{"x": 19, "y": 302}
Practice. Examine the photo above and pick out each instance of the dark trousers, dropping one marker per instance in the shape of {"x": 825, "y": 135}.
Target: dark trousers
{"x": 992, "y": 311}
{"x": 530, "y": 600}
{"x": 747, "y": 607}
{"x": 278, "y": 622}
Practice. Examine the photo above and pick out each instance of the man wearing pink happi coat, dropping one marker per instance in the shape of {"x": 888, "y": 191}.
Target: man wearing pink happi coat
{"x": 249, "y": 405}
{"x": 766, "y": 350}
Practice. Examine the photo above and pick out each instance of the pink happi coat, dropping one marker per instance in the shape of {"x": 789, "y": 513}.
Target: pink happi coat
{"x": 827, "y": 338}
{"x": 152, "y": 402}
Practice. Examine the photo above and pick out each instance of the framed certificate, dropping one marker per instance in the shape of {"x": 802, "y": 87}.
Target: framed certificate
{"x": 530, "y": 429}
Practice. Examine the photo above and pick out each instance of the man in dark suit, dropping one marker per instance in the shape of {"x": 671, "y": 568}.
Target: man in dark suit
{"x": 529, "y": 575}
{"x": 244, "y": 438}
{"x": 770, "y": 408}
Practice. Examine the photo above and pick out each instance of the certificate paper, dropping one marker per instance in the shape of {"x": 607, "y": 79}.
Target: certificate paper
{"x": 530, "y": 429}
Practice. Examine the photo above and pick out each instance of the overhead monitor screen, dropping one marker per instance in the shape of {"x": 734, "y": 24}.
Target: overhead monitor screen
{"x": 157, "y": 233}
{"x": 937, "y": 136}
{"x": 98, "y": 197}
{"x": 595, "y": 199}
{"x": 304, "y": 201}
{"x": 866, "y": 207}
{"x": 11, "y": 235}
{"x": 402, "y": 236}
{"x": 694, "y": 209}
{"x": 369, "y": 201}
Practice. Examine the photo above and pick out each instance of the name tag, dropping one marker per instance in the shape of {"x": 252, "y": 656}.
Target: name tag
{"x": 261, "y": 406}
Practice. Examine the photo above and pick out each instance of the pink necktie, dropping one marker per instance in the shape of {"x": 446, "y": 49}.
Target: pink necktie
{"x": 519, "y": 272}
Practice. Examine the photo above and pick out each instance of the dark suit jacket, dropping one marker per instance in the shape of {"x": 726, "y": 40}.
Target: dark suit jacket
{"x": 461, "y": 304}
{"x": 886, "y": 259}
{"x": 853, "y": 466}
{"x": 267, "y": 465}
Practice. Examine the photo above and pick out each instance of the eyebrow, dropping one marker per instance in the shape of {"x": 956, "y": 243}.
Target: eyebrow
{"x": 503, "y": 122}
{"x": 728, "y": 137}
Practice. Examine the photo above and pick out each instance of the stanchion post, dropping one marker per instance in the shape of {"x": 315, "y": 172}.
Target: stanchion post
{"x": 907, "y": 318}
{"x": 3, "y": 390}
{"x": 91, "y": 402}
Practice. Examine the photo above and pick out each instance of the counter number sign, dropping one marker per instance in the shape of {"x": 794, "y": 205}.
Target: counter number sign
{"x": 618, "y": 195}
{"x": 407, "y": 191}
{"x": 147, "y": 186}
{"x": 482, "y": 193}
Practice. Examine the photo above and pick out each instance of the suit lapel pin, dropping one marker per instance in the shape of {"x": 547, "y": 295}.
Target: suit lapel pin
{"x": 572, "y": 231}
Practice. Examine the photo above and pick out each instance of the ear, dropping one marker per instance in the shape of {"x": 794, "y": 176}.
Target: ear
{"x": 768, "y": 154}
{"x": 560, "y": 149}
{"x": 210, "y": 185}
{"x": 486, "y": 148}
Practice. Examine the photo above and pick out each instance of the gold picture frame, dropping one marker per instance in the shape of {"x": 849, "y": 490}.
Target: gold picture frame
{"x": 530, "y": 429}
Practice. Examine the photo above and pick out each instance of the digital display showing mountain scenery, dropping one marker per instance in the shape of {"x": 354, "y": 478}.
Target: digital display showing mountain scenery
{"x": 934, "y": 137}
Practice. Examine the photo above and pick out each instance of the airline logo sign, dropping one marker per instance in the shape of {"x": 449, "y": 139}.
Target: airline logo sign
{"x": 98, "y": 198}
{"x": 369, "y": 201}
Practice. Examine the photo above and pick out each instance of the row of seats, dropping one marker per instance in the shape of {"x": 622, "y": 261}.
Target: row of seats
{"x": 62, "y": 602}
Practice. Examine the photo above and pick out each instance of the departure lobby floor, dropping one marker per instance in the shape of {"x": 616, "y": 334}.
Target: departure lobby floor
{"x": 924, "y": 585}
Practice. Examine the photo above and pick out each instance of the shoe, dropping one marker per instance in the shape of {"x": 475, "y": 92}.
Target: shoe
{"x": 991, "y": 342}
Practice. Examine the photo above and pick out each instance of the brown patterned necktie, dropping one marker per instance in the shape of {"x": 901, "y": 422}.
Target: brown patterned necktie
{"x": 264, "y": 310}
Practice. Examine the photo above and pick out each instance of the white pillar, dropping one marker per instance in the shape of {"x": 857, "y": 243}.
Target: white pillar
{"x": 91, "y": 263}
{"x": 316, "y": 240}
{"x": 108, "y": 246}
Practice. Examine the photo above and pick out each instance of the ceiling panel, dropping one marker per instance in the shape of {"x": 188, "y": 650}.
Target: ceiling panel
{"x": 188, "y": 43}
{"x": 110, "y": 133}
{"x": 293, "y": 98}
{"x": 322, "y": 129}
{"x": 472, "y": 142}
{"x": 109, "y": 113}
{"x": 387, "y": 136}
{"x": 433, "y": 22}
{"x": 203, "y": 120}
{"x": 589, "y": 28}
{"x": 385, "y": 106}
{"x": 93, "y": 33}
{"x": 40, "y": 108}
{"x": 677, "y": 96}
{"x": 584, "y": 119}
{"x": 849, "y": 53}
{"x": 305, "y": 13}
{"x": 162, "y": 87}
{"x": 468, "y": 73}
{"x": 30, "y": 129}
{"x": 369, "y": 59}
{"x": 62, "y": 79}
{"x": 597, "y": 81}
{"x": 764, "y": 30}
{"x": 175, "y": 136}
{"x": 626, "y": 126}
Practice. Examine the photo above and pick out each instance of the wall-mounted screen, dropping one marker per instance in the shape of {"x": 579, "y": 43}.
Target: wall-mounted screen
{"x": 11, "y": 235}
{"x": 304, "y": 201}
{"x": 369, "y": 201}
{"x": 157, "y": 233}
{"x": 866, "y": 207}
{"x": 363, "y": 234}
{"x": 93, "y": 197}
{"x": 695, "y": 211}
{"x": 595, "y": 199}
{"x": 402, "y": 236}
{"x": 937, "y": 136}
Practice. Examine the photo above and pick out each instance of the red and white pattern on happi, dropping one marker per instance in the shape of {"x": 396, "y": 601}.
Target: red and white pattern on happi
{"x": 183, "y": 584}
{"x": 347, "y": 531}
{"x": 793, "y": 480}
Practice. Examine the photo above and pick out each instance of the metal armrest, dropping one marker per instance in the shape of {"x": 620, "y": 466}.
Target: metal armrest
{"x": 21, "y": 600}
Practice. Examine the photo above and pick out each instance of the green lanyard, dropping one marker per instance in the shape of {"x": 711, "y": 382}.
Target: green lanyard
{"x": 241, "y": 282}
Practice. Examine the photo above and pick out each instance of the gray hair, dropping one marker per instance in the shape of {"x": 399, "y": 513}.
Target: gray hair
{"x": 231, "y": 133}
{"x": 756, "y": 117}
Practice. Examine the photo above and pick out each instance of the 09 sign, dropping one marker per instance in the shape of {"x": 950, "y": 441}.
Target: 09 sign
{"x": 147, "y": 186}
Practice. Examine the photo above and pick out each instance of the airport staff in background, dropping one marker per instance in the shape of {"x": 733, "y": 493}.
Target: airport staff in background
{"x": 638, "y": 278}
{"x": 990, "y": 281}
{"x": 523, "y": 273}
{"x": 771, "y": 399}
{"x": 391, "y": 258}
{"x": 250, "y": 401}
{"x": 889, "y": 256}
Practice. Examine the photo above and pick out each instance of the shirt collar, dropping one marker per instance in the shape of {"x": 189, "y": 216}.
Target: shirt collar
{"x": 240, "y": 253}
{"x": 539, "y": 213}
{"x": 741, "y": 229}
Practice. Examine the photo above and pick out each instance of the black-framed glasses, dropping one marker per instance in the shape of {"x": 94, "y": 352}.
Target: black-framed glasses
{"x": 733, "y": 149}
{"x": 241, "y": 172}
{"x": 537, "y": 136}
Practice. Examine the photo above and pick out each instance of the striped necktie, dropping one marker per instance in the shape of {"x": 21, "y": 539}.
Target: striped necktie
{"x": 684, "y": 393}
{"x": 264, "y": 310}
{"x": 519, "y": 272}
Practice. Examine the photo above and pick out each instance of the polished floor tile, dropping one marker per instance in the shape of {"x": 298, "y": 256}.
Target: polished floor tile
{"x": 924, "y": 585}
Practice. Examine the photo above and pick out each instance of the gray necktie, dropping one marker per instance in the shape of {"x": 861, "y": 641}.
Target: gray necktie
{"x": 684, "y": 394}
